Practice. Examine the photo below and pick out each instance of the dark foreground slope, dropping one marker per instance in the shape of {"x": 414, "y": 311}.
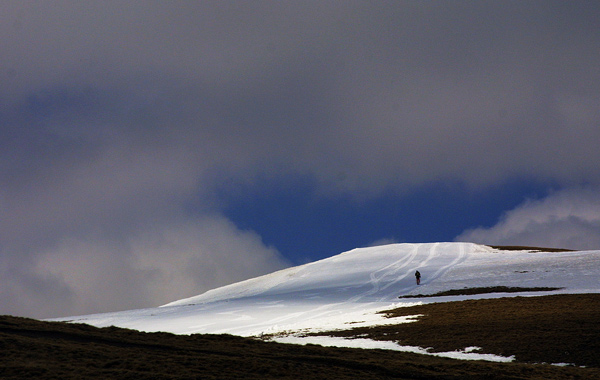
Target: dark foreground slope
{"x": 53, "y": 350}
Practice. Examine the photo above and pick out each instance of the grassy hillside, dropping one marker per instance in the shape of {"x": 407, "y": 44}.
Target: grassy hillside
{"x": 54, "y": 350}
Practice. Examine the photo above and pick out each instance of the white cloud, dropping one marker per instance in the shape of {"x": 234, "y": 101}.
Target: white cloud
{"x": 565, "y": 219}
{"x": 383, "y": 241}
{"x": 202, "y": 254}
{"x": 99, "y": 273}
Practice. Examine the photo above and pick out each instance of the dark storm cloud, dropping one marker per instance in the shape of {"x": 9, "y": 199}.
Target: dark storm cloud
{"x": 417, "y": 90}
{"x": 116, "y": 115}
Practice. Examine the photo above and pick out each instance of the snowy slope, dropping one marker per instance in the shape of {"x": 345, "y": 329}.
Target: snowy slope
{"x": 348, "y": 289}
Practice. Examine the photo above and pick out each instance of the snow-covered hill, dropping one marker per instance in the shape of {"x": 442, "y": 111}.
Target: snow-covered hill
{"x": 348, "y": 289}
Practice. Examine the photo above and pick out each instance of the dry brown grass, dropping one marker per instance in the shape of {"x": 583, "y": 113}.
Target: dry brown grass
{"x": 547, "y": 329}
{"x": 526, "y": 248}
{"x": 483, "y": 290}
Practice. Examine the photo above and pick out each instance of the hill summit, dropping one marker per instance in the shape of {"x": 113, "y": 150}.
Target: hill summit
{"x": 350, "y": 288}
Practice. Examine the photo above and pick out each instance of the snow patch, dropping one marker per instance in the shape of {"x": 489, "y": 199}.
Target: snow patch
{"x": 329, "y": 341}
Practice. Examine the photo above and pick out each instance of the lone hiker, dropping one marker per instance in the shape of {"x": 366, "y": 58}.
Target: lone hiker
{"x": 418, "y": 276}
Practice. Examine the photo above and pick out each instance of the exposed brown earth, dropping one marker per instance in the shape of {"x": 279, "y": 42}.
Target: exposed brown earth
{"x": 489, "y": 289}
{"x": 535, "y": 329}
{"x": 526, "y": 248}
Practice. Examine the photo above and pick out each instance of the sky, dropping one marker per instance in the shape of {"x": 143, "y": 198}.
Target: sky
{"x": 151, "y": 151}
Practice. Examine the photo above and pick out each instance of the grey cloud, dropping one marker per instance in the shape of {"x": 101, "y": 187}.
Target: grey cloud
{"x": 361, "y": 97}
{"x": 566, "y": 219}
{"x": 96, "y": 272}
{"x": 211, "y": 42}
{"x": 472, "y": 106}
